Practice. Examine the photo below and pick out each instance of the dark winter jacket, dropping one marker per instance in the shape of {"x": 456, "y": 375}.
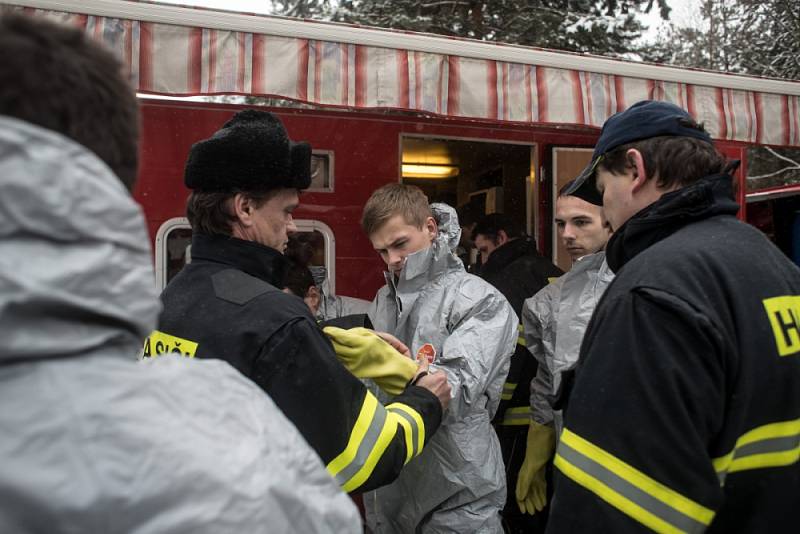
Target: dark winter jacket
{"x": 518, "y": 271}
{"x": 225, "y": 304}
{"x": 685, "y": 414}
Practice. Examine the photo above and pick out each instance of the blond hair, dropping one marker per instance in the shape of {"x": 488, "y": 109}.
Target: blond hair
{"x": 395, "y": 199}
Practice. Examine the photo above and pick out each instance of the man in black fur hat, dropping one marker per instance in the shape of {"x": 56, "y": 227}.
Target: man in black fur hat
{"x": 228, "y": 304}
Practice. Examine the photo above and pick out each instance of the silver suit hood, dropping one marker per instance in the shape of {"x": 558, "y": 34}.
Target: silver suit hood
{"x": 75, "y": 266}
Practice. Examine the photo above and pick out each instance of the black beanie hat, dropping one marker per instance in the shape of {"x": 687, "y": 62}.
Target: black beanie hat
{"x": 251, "y": 152}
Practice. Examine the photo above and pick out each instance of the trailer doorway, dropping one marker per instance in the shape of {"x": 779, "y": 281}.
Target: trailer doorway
{"x": 477, "y": 177}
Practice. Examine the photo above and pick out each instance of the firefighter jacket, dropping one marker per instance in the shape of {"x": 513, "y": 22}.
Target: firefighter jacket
{"x": 466, "y": 327}
{"x": 93, "y": 440}
{"x": 685, "y": 414}
{"x": 554, "y": 321}
{"x": 225, "y": 304}
{"x": 518, "y": 271}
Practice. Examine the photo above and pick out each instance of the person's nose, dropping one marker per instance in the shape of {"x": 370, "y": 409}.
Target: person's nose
{"x": 569, "y": 233}
{"x": 291, "y": 228}
{"x": 394, "y": 258}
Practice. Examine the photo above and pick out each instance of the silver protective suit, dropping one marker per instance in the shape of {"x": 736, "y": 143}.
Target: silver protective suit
{"x": 457, "y": 484}
{"x": 333, "y": 306}
{"x": 91, "y": 439}
{"x": 554, "y": 321}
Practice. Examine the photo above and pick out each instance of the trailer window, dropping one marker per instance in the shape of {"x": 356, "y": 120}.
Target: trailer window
{"x": 321, "y": 171}
{"x": 174, "y": 239}
{"x": 769, "y": 167}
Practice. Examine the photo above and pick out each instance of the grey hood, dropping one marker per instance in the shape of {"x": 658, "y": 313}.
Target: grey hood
{"x": 431, "y": 262}
{"x": 62, "y": 207}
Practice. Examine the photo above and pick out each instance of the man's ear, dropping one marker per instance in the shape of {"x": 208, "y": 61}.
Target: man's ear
{"x": 243, "y": 209}
{"x": 431, "y": 226}
{"x": 637, "y": 168}
{"x": 502, "y": 238}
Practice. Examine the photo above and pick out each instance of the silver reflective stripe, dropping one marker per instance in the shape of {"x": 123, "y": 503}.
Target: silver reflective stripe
{"x": 621, "y": 486}
{"x": 364, "y": 448}
{"x": 517, "y": 416}
{"x": 764, "y": 446}
{"x": 414, "y": 429}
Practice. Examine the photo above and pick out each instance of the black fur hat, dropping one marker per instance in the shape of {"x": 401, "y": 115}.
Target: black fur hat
{"x": 251, "y": 152}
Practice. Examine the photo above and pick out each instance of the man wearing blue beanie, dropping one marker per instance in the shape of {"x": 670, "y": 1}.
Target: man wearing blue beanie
{"x": 685, "y": 411}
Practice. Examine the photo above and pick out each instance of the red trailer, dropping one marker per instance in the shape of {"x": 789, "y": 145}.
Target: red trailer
{"x": 497, "y": 126}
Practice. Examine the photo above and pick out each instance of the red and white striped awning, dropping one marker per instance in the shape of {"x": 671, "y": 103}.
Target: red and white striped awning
{"x": 185, "y": 51}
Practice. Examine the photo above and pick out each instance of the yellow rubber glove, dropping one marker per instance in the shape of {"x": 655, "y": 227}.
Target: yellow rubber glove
{"x": 368, "y": 356}
{"x": 531, "y": 485}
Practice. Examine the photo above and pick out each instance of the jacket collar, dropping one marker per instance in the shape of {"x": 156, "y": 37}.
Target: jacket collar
{"x": 710, "y": 196}
{"x": 424, "y": 266}
{"x": 507, "y": 253}
{"x": 253, "y": 258}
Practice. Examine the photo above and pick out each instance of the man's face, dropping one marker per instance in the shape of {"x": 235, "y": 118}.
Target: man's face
{"x": 485, "y": 246}
{"x": 396, "y": 239}
{"x": 580, "y": 226}
{"x": 272, "y": 221}
{"x": 618, "y": 201}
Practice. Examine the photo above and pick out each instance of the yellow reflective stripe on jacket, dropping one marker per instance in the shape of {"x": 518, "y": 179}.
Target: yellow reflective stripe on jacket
{"x": 624, "y": 487}
{"x": 517, "y": 416}
{"x": 772, "y": 445}
{"x": 411, "y": 421}
{"x": 349, "y": 465}
{"x": 158, "y": 343}
{"x": 521, "y": 335}
{"x": 371, "y": 435}
{"x": 508, "y": 391}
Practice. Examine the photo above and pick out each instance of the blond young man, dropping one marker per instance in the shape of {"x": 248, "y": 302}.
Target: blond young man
{"x": 461, "y": 324}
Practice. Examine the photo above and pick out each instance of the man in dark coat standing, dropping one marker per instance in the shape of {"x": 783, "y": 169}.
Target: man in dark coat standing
{"x": 512, "y": 264}
{"x": 685, "y": 411}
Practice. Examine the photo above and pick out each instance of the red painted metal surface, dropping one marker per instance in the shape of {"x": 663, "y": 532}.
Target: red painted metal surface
{"x": 367, "y": 152}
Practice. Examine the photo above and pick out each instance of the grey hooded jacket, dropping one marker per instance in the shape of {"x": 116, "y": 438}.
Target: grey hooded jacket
{"x": 457, "y": 484}
{"x": 92, "y": 440}
{"x": 554, "y": 321}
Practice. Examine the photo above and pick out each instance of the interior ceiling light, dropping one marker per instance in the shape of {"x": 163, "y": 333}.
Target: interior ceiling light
{"x": 431, "y": 172}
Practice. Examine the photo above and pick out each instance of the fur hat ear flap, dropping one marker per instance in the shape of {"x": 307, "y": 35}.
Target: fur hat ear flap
{"x": 251, "y": 152}
{"x": 301, "y": 164}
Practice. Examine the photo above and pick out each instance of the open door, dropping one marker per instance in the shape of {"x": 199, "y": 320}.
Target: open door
{"x": 568, "y": 162}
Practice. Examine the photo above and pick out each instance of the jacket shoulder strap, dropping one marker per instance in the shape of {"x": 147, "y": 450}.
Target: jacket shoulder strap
{"x": 237, "y": 287}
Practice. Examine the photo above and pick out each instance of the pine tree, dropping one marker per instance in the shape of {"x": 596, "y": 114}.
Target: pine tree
{"x": 760, "y": 37}
{"x": 606, "y": 27}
